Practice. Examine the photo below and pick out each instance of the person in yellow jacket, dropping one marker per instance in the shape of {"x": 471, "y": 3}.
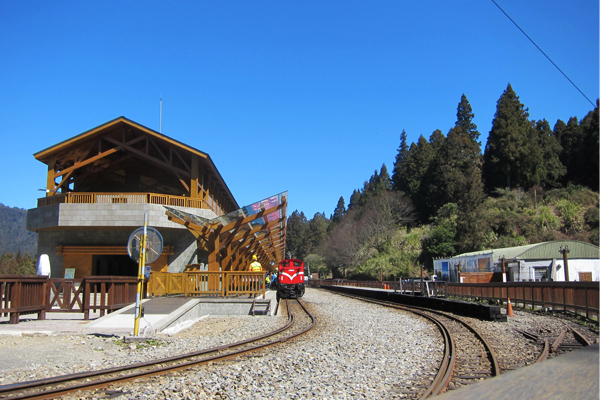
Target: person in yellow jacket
{"x": 255, "y": 266}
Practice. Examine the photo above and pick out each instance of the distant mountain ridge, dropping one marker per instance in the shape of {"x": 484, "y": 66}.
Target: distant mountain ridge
{"x": 13, "y": 233}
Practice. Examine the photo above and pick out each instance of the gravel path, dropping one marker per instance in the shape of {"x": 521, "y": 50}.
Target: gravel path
{"x": 357, "y": 350}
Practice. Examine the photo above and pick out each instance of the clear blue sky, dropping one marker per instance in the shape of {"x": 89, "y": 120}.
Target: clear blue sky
{"x": 308, "y": 96}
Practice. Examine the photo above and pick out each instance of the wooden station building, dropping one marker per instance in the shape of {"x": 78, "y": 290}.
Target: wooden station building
{"x": 102, "y": 182}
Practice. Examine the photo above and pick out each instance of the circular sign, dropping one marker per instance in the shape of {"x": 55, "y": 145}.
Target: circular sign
{"x": 154, "y": 244}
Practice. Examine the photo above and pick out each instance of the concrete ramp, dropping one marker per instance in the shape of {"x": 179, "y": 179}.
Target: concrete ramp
{"x": 170, "y": 315}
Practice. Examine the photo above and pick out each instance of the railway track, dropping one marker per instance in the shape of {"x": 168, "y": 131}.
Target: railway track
{"x": 554, "y": 342}
{"x": 467, "y": 357}
{"x": 61, "y": 385}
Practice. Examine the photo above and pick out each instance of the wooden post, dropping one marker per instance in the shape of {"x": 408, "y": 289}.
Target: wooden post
{"x": 42, "y": 313}
{"x": 194, "y": 178}
{"x": 86, "y": 299}
{"x": 50, "y": 184}
{"x": 15, "y": 302}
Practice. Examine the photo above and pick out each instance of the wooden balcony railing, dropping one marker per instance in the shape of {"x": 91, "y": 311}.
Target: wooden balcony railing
{"x": 130, "y": 198}
{"x": 207, "y": 284}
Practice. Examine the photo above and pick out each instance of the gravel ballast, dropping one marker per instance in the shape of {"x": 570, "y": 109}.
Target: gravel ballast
{"x": 356, "y": 350}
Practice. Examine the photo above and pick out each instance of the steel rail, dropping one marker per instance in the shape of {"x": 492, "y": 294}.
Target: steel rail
{"x": 492, "y": 354}
{"x": 579, "y": 337}
{"x": 101, "y": 375}
{"x": 528, "y": 335}
{"x": 446, "y": 368}
{"x": 545, "y": 352}
{"x": 558, "y": 340}
{"x": 444, "y": 374}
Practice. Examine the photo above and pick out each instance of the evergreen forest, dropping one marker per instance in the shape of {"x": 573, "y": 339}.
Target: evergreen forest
{"x": 531, "y": 183}
{"x": 17, "y": 245}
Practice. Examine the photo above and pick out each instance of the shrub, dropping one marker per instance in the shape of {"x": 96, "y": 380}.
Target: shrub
{"x": 546, "y": 220}
{"x": 592, "y": 217}
{"x": 572, "y": 216}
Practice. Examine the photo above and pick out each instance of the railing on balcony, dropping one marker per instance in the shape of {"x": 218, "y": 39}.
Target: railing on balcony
{"x": 207, "y": 283}
{"x": 130, "y": 198}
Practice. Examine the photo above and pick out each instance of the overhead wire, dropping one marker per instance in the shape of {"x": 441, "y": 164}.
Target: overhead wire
{"x": 542, "y": 51}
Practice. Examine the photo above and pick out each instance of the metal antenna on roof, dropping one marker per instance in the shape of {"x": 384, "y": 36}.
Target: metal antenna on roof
{"x": 160, "y": 117}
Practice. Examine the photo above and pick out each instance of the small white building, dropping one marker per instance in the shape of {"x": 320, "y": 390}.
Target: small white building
{"x": 531, "y": 263}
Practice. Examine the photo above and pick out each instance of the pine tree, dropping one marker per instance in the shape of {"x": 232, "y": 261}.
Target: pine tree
{"x": 369, "y": 188}
{"x": 589, "y": 154}
{"x": 436, "y": 140}
{"x": 469, "y": 160}
{"x": 8, "y": 264}
{"x": 571, "y": 140}
{"x": 427, "y": 189}
{"x": 27, "y": 266}
{"x": 295, "y": 235}
{"x": 507, "y": 143}
{"x": 397, "y": 182}
{"x": 464, "y": 120}
{"x": 417, "y": 162}
{"x": 533, "y": 170}
{"x": 339, "y": 211}
{"x": 315, "y": 232}
{"x": 385, "y": 182}
{"x": 354, "y": 200}
{"x": 550, "y": 149}
{"x": 456, "y": 173}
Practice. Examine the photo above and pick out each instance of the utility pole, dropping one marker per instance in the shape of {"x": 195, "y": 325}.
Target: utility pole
{"x": 565, "y": 251}
{"x": 140, "y": 279}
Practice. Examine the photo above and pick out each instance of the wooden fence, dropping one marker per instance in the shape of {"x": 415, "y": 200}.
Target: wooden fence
{"x": 207, "y": 283}
{"x": 403, "y": 286}
{"x": 21, "y": 295}
{"x": 578, "y": 297}
{"x": 348, "y": 282}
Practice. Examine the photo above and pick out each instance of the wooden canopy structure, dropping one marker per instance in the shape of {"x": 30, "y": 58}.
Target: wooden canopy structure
{"x": 123, "y": 156}
{"x": 233, "y": 238}
{"x": 119, "y": 170}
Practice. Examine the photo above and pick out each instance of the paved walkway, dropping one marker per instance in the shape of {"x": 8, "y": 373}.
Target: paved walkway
{"x": 158, "y": 314}
{"x": 573, "y": 375}
{"x": 119, "y": 322}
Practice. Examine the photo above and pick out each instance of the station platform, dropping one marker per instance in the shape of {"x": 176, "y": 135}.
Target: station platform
{"x": 574, "y": 375}
{"x": 165, "y": 315}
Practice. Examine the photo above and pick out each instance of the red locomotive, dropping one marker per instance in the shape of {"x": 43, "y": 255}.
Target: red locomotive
{"x": 290, "y": 279}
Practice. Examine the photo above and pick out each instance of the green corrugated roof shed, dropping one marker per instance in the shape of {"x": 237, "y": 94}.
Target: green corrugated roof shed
{"x": 541, "y": 251}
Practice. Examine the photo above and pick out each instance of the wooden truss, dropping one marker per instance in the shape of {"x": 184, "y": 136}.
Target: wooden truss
{"x": 231, "y": 241}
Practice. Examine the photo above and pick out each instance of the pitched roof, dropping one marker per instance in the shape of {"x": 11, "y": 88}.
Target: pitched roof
{"x": 47, "y": 154}
{"x": 44, "y": 154}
